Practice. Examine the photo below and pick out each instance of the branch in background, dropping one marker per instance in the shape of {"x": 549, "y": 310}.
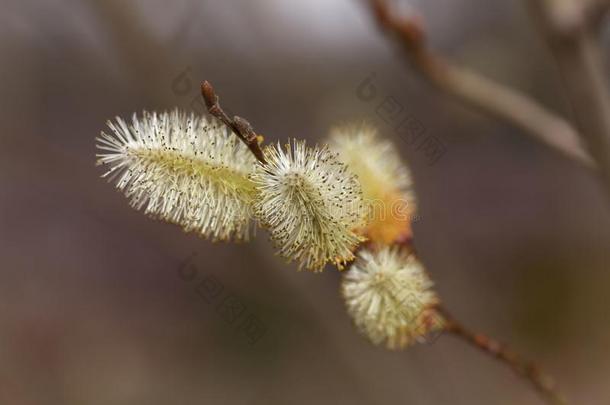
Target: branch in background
{"x": 482, "y": 93}
{"x": 543, "y": 384}
{"x": 595, "y": 12}
{"x": 567, "y": 17}
{"x": 240, "y": 126}
{"x": 570, "y": 28}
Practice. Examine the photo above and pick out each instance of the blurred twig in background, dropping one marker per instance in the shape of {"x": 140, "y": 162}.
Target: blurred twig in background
{"x": 571, "y": 29}
{"x": 482, "y": 93}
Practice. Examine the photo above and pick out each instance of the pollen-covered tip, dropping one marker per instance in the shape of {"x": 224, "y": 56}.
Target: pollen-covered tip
{"x": 385, "y": 179}
{"x": 183, "y": 169}
{"x": 310, "y": 203}
{"x": 390, "y": 298}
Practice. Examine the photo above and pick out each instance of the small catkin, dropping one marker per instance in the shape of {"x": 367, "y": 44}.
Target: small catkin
{"x": 390, "y": 298}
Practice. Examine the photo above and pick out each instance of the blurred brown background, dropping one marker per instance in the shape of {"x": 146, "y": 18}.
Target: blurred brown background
{"x": 93, "y": 309}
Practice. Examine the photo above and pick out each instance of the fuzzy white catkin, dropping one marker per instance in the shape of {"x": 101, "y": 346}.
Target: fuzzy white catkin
{"x": 390, "y": 298}
{"x": 375, "y": 160}
{"x": 184, "y": 169}
{"x": 310, "y": 203}
{"x": 386, "y": 182}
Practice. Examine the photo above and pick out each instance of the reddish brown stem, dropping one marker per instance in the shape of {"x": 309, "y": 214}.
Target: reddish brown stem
{"x": 541, "y": 382}
{"x": 240, "y": 126}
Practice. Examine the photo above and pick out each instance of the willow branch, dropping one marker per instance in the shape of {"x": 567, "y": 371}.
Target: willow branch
{"x": 481, "y": 93}
{"x": 238, "y": 125}
{"x": 542, "y": 383}
{"x": 571, "y": 28}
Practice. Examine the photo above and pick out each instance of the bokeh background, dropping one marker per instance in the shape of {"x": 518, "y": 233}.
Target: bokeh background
{"x": 93, "y": 307}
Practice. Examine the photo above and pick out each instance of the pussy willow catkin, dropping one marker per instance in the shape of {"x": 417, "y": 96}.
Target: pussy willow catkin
{"x": 310, "y": 203}
{"x": 385, "y": 180}
{"x": 390, "y": 298}
{"x": 182, "y": 168}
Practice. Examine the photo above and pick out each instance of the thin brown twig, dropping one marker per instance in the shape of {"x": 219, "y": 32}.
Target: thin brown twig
{"x": 541, "y": 382}
{"x": 570, "y": 28}
{"x": 484, "y": 94}
{"x": 240, "y": 126}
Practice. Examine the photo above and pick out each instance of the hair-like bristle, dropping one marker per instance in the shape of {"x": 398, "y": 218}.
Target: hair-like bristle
{"x": 390, "y": 298}
{"x": 184, "y": 169}
{"x": 310, "y": 203}
{"x": 385, "y": 179}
